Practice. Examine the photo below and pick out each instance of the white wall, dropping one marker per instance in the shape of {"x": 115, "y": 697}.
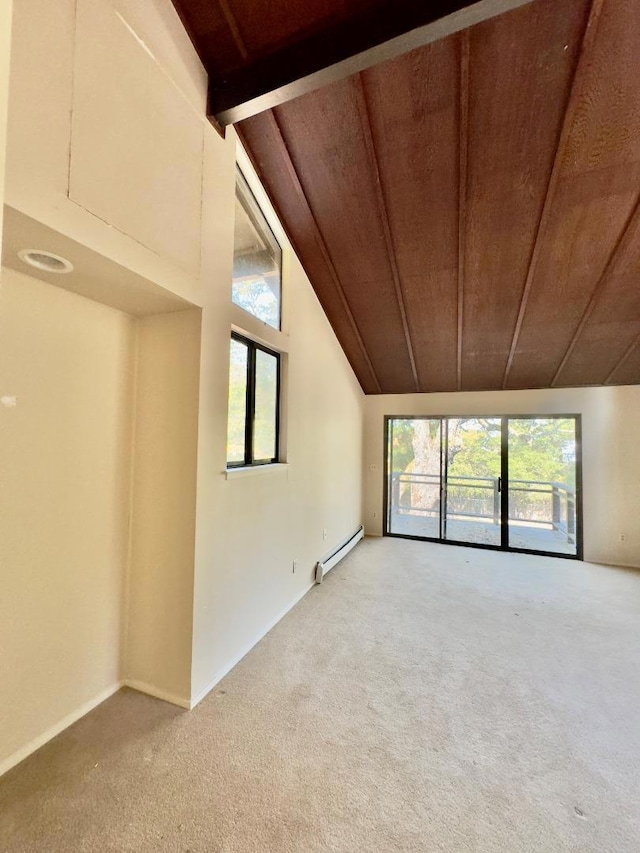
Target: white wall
{"x": 610, "y": 452}
{"x": 64, "y": 475}
{"x": 251, "y": 528}
{"x": 6, "y": 9}
{"x": 120, "y": 159}
{"x": 157, "y": 656}
{"x": 112, "y": 192}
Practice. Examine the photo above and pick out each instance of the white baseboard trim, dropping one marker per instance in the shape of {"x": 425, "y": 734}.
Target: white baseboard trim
{"x": 594, "y": 560}
{"x": 151, "y": 690}
{"x": 26, "y": 750}
{"x": 616, "y": 565}
{"x": 236, "y": 660}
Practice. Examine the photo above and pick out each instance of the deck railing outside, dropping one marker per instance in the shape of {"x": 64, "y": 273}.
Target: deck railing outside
{"x": 539, "y": 502}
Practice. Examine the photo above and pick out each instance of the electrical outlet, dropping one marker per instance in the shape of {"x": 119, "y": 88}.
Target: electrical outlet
{"x": 324, "y": 533}
{"x": 622, "y": 537}
{"x": 295, "y": 566}
{"x": 373, "y": 467}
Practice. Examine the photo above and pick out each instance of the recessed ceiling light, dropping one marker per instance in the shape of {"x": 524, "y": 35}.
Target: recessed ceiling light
{"x": 45, "y": 261}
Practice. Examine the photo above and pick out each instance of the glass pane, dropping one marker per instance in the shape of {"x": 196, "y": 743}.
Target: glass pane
{"x": 542, "y": 484}
{"x": 414, "y": 477}
{"x": 257, "y": 260}
{"x": 472, "y": 487}
{"x": 237, "y": 401}
{"x": 264, "y": 430}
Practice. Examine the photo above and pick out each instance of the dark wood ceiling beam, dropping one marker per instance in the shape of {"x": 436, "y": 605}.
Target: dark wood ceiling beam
{"x": 588, "y": 42}
{"x": 465, "y": 52}
{"x": 618, "y": 249}
{"x": 302, "y": 197}
{"x": 374, "y": 165}
{"x": 626, "y": 355}
{"x": 384, "y": 32}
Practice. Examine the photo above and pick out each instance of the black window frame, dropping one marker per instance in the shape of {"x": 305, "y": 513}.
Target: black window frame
{"x": 250, "y": 410}
{"x": 504, "y": 454}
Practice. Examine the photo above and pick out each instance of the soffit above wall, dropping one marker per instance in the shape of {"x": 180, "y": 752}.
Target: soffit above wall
{"x": 94, "y": 276}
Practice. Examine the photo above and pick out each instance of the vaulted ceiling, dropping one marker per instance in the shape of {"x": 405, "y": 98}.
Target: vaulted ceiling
{"x": 467, "y": 212}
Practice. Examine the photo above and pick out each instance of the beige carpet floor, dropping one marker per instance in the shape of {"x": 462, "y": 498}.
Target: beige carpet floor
{"x": 424, "y": 698}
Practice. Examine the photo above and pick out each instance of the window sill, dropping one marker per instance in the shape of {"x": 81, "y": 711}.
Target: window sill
{"x": 250, "y": 470}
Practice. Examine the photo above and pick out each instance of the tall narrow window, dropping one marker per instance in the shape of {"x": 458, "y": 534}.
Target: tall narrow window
{"x": 257, "y": 259}
{"x": 254, "y": 402}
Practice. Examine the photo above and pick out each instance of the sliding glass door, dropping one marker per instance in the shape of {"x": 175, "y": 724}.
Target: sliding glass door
{"x": 495, "y": 481}
{"x": 415, "y": 477}
{"x": 542, "y": 493}
{"x": 472, "y": 458}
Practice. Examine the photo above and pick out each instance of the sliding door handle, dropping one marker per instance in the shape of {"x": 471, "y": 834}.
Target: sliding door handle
{"x": 499, "y": 484}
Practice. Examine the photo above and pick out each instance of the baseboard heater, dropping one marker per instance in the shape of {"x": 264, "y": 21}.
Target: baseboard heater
{"x": 341, "y": 551}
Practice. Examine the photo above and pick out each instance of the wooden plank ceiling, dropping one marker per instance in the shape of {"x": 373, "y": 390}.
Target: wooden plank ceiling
{"x": 468, "y": 213}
